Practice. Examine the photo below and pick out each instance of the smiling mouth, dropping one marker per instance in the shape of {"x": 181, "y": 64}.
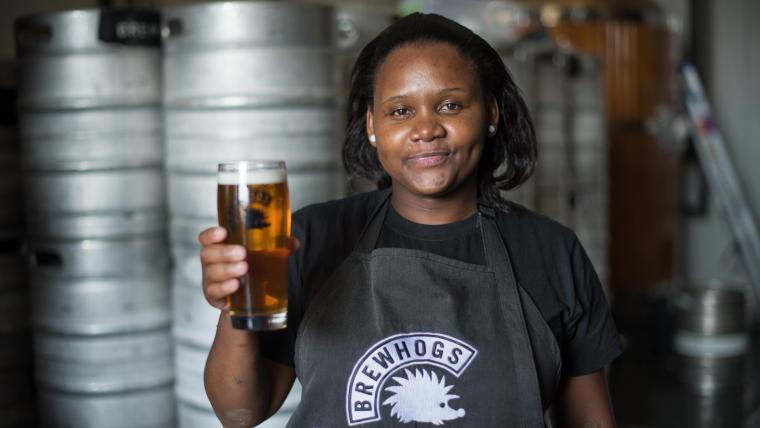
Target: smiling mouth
{"x": 429, "y": 158}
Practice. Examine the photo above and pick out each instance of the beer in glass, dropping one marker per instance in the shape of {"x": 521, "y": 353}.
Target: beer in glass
{"x": 253, "y": 205}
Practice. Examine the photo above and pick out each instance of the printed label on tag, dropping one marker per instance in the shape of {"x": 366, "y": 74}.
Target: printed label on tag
{"x": 130, "y": 27}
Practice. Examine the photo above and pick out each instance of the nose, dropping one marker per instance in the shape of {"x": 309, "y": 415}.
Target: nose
{"x": 426, "y": 128}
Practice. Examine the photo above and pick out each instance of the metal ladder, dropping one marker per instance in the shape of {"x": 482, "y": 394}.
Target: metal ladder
{"x": 721, "y": 177}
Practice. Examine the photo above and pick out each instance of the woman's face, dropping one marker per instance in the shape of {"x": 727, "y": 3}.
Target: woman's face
{"x": 430, "y": 119}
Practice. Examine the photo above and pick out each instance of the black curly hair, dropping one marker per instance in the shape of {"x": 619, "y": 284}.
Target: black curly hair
{"x": 509, "y": 157}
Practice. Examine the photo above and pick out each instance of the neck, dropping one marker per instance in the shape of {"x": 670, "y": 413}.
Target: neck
{"x": 449, "y": 208}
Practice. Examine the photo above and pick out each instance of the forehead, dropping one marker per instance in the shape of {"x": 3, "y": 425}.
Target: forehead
{"x": 422, "y": 65}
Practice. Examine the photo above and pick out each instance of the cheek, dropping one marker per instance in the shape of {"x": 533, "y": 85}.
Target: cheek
{"x": 386, "y": 158}
{"x": 471, "y": 144}
{"x": 389, "y": 147}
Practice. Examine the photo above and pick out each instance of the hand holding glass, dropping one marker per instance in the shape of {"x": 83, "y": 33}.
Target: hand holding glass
{"x": 253, "y": 205}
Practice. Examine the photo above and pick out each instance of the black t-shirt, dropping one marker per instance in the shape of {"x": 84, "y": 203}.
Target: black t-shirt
{"x": 548, "y": 262}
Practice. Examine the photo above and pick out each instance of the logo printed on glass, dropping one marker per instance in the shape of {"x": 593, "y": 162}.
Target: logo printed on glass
{"x": 255, "y": 218}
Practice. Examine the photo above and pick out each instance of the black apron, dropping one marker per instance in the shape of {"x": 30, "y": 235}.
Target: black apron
{"x": 400, "y": 337}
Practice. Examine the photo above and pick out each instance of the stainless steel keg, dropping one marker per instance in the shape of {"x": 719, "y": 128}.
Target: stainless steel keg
{"x": 147, "y": 408}
{"x": 564, "y": 93}
{"x": 91, "y": 146}
{"x": 88, "y": 59}
{"x": 250, "y": 80}
{"x": 99, "y": 258}
{"x": 94, "y": 203}
{"x": 250, "y": 54}
{"x": 242, "y": 80}
{"x": 90, "y": 123}
{"x": 96, "y": 306}
{"x": 711, "y": 339}
{"x": 95, "y": 138}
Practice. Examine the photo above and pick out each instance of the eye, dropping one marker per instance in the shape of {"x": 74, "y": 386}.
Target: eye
{"x": 400, "y": 112}
{"x": 442, "y": 405}
{"x": 449, "y": 106}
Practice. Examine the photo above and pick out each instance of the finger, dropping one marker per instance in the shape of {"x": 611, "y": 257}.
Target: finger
{"x": 220, "y": 272}
{"x": 221, "y": 304}
{"x": 218, "y": 292}
{"x": 212, "y": 235}
{"x": 217, "y": 253}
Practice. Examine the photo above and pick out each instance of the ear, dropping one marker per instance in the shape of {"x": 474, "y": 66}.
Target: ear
{"x": 370, "y": 121}
{"x": 493, "y": 112}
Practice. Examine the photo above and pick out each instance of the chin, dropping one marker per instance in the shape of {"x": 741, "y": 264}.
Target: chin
{"x": 433, "y": 188}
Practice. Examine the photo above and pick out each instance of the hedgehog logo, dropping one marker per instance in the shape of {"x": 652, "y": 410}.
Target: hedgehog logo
{"x": 422, "y": 397}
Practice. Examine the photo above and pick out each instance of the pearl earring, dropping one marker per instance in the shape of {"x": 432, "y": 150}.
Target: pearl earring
{"x": 372, "y": 139}
{"x": 491, "y": 129}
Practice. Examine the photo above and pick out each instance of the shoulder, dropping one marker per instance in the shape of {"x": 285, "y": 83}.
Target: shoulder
{"x": 552, "y": 267}
{"x": 542, "y": 252}
{"x": 338, "y": 216}
{"x": 328, "y": 232}
{"x": 521, "y": 226}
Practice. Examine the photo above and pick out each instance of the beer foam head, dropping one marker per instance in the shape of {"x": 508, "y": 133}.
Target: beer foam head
{"x": 259, "y": 176}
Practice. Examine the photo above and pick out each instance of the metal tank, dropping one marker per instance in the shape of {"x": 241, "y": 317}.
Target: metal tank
{"x": 242, "y": 80}
{"x": 711, "y": 339}
{"x": 91, "y": 146}
{"x": 564, "y": 93}
{"x": 90, "y": 122}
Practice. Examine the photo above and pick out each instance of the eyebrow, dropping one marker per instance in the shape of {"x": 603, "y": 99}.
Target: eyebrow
{"x": 404, "y": 96}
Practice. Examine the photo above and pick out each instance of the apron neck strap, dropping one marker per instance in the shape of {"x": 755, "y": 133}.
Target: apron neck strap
{"x": 371, "y": 232}
{"x": 486, "y": 210}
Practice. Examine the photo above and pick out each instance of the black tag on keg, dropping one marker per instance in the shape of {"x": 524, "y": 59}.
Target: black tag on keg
{"x": 130, "y": 27}
{"x": 255, "y": 219}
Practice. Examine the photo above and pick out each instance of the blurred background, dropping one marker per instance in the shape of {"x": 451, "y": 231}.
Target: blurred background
{"x": 113, "y": 115}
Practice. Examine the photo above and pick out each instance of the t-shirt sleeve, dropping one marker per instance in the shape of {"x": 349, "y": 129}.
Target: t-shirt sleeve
{"x": 279, "y": 346}
{"x": 590, "y": 337}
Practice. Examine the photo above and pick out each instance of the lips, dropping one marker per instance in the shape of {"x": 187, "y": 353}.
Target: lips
{"x": 431, "y": 158}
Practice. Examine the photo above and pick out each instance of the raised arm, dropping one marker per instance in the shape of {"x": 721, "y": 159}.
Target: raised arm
{"x": 244, "y": 387}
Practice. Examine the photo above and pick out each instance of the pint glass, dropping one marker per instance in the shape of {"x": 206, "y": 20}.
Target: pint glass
{"x": 253, "y": 205}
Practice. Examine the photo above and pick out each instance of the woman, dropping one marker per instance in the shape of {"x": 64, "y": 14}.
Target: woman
{"x": 431, "y": 300}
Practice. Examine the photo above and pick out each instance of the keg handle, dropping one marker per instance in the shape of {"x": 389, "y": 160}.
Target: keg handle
{"x": 33, "y": 33}
{"x": 46, "y": 259}
{"x": 172, "y": 28}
